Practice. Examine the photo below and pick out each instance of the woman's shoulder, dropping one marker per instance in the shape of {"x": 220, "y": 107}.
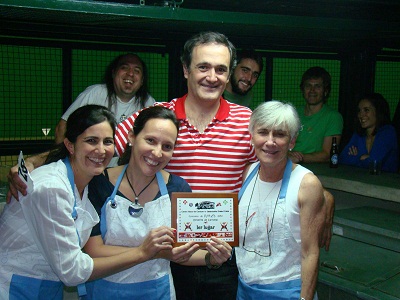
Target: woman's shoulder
{"x": 176, "y": 179}
{"x": 177, "y": 184}
{"x": 100, "y": 183}
{"x": 54, "y": 171}
{"x": 249, "y": 168}
{"x": 304, "y": 177}
{"x": 99, "y": 189}
{"x": 307, "y": 180}
{"x": 388, "y": 129}
{"x": 300, "y": 170}
{"x": 50, "y": 179}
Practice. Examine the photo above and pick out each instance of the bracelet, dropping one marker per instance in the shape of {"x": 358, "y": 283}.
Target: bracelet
{"x": 208, "y": 262}
{"x": 302, "y": 298}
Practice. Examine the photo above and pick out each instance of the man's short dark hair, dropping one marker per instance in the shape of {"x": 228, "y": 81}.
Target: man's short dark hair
{"x": 250, "y": 54}
{"x": 204, "y": 38}
{"x": 315, "y": 73}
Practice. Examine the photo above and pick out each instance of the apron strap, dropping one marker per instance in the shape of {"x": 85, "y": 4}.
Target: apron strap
{"x": 117, "y": 184}
{"x": 285, "y": 180}
{"x": 70, "y": 175}
{"x": 248, "y": 179}
{"x": 161, "y": 184}
{"x": 103, "y": 219}
{"x": 81, "y": 287}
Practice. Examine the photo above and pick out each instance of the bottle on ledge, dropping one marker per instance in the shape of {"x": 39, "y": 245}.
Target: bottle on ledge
{"x": 334, "y": 157}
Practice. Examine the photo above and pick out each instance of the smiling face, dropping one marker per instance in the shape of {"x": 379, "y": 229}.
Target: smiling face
{"x": 208, "y": 73}
{"x": 271, "y": 145}
{"x": 313, "y": 91}
{"x": 245, "y": 76}
{"x": 153, "y": 147}
{"x": 128, "y": 77}
{"x": 367, "y": 115}
{"x": 91, "y": 152}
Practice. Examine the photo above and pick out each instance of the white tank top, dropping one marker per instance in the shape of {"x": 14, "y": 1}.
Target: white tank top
{"x": 284, "y": 238}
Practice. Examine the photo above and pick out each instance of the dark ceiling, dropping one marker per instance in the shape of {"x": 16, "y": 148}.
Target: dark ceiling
{"x": 353, "y": 9}
{"x": 325, "y": 25}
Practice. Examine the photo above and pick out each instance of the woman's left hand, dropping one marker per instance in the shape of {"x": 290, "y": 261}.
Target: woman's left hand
{"x": 220, "y": 251}
{"x": 180, "y": 254}
{"x": 353, "y": 151}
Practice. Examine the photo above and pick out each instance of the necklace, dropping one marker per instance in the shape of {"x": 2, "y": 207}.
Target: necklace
{"x": 135, "y": 209}
{"x": 260, "y": 189}
{"x": 267, "y": 205}
{"x": 251, "y": 198}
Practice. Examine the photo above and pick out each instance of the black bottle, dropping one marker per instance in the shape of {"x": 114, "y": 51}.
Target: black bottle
{"x": 334, "y": 157}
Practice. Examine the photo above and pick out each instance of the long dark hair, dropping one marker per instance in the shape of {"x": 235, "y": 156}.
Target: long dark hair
{"x": 80, "y": 120}
{"x": 142, "y": 94}
{"x": 382, "y": 112}
{"x": 153, "y": 112}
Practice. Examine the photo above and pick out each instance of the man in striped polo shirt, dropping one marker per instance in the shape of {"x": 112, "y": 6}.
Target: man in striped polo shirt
{"x": 212, "y": 149}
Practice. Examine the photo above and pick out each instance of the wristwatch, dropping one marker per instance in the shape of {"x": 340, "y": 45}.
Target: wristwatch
{"x": 208, "y": 262}
{"x": 302, "y": 298}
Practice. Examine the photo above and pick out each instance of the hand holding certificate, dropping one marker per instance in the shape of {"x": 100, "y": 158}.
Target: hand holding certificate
{"x": 200, "y": 216}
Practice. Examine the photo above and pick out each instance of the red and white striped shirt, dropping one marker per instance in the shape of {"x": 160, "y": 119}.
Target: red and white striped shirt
{"x": 212, "y": 161}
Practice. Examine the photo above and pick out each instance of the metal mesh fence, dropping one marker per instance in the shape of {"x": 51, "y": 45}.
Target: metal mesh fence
{"x": 287, "y": 73}
{"x": 387, "y": 82}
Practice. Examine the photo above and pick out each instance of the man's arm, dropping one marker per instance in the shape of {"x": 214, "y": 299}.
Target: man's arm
{"x": 15, "y": 183}
{"x": 61, "y": 128}
{"x": 330, "y": 209}
{"x": 315, "y": 157}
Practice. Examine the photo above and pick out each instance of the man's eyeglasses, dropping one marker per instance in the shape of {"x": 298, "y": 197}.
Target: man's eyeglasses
{"x": 265, "y": 252}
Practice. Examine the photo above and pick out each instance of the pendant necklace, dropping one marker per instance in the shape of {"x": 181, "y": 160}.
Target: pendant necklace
{"x": 135, "y": 209}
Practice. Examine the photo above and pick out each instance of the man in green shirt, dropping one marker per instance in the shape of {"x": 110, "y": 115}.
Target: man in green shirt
{"x": 244, "y": 77}
{"x": 319, "y": 121}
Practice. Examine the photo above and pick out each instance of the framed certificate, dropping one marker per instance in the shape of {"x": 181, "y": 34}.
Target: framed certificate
{"x": 199, "y": 216}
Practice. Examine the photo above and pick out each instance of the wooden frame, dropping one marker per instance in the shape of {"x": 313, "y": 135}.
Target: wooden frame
{"x": 198, "y": 216}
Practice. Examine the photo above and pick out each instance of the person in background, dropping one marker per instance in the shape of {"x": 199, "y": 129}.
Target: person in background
{"x": 319, "y": 122}
{"x": 281, "y": 213}
{"x": 244, "y": 76}
{"x": 375, "y": 139}
{"x": 41, "y": 235}
{"x": 135, "y": 200}
{"x": 124, "y": 91}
